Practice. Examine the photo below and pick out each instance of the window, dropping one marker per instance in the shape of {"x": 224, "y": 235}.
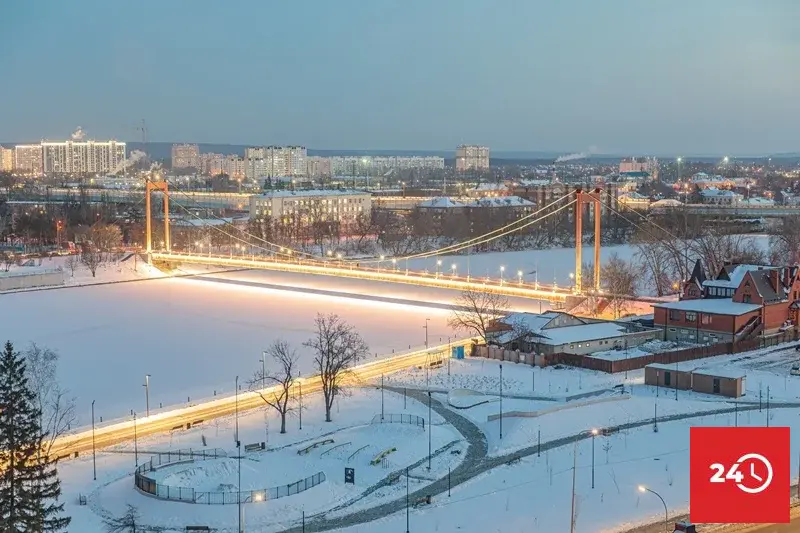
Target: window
{"x": 691, "y": 316}
{"x": 716, "y": 386}
{"x": 674, "y": 315}
{"x": 705, "y": 319}
{"x": 746, "y": 298}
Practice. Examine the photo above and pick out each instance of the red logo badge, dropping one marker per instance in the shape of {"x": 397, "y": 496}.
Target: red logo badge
{"x": 739, "y": 475}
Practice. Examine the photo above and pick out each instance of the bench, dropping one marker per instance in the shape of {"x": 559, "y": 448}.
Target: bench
{"x": 425, "y": 500}
{"x": 255, "y": 447}
{"x": 307, "y": 449}
{"x": 378, "y": 458}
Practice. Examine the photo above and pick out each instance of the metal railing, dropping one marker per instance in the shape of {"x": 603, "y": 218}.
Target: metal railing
{"x": 148, "y": 485}
{"x": 390, "y": 418}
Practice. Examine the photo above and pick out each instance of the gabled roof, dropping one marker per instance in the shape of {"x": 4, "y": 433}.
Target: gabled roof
{"x": 730, "y": 276}
{"x": 763, "y": 285}
{"x": 439, "y": 203}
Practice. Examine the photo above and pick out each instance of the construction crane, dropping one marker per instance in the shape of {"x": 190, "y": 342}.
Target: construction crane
{"x": 143, "y": 129}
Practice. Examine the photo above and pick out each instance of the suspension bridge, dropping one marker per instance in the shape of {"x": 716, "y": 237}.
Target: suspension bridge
{"x": 253, "y": 252}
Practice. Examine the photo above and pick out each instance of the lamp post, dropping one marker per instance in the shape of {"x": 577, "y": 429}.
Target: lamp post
{"x": 426, "y": 332}
{"x": 438, "y": 267}
{"x": 502, "y": 269}
{"x": 239, "y": 459}
{"x": 429, "y": 430}
{"x": 454, "y": 267}
{"x": 381, "y": 397}
{"x": 94, "y": 458}
{"x": 264, "y": 369}
{"x": 519, "y": 276}
{"x": 135, "y": 442}
{"x": 594, "y": 434}
{"x": 407, "y": 530}
{"x": 300, "y": 385}
{"x": 501, "y": 402}
{"x": 147, "y": 393}
{"x": 642, "y": 488}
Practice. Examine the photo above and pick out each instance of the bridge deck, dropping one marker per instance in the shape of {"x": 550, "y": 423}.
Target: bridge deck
{"x": 352, "y": 271}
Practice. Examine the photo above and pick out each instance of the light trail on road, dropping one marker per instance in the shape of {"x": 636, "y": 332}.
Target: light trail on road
{"x": 71, "y": 446}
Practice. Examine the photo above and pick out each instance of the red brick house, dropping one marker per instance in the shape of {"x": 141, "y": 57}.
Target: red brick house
{"x": 740, "y": 302}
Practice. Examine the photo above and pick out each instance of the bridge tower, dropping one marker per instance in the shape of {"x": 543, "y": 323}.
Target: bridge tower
{"x": 584, "y": 198}
{"x": 151, "y": 186}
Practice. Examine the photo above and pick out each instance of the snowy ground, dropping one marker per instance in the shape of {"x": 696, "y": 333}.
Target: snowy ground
{"x": 192, "y": 337}
{"x": 279, "y": 466}
{"x": 131, "y": 269}
{"x": 535, "y": 494}
{"x": 647, "y": 348}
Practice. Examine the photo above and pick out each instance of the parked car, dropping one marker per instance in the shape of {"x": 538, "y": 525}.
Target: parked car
{"x": 795, "y": 371}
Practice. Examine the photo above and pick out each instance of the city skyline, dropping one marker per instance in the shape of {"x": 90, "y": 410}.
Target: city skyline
{"x": 674, "y": 78}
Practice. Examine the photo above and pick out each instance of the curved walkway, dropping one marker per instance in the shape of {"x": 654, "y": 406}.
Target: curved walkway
{"x": 476, "y": 461}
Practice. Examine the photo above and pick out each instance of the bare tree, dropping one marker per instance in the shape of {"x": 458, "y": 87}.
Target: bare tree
{"x": 280, "y": 380}
{"x": 92, "y": 259}
{"x": 656, "y": 263}
{"x": 619, "y": 279}
{"x": 9, "y": 260}
{"x": 129, "y": 522}
{"x": 105, "y": 238}
{"x": 716, "y": 247}
{"x": 72, "y": 262}
{"x": 56, "y": 408}
{"x": 784, "y": 242}
{"x": 337, "y": 347}
{"x": 475, "y": 311}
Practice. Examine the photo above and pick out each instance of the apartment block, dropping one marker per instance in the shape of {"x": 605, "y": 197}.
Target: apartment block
{"x": 28, "y": 159}
{"x": 309, "y": 206}
{"x": 82, "y": 157}
{"x": 185, "y": 156}
{"x": 472, "y": 157}
{"x": 6, "y": 159}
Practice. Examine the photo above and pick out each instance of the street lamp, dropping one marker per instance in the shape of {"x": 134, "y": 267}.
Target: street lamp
{"x": 454, "y": 266}
{"x": 438, "y": 267}
{"x": 426, "y": 331}
{"x": 502, "y": 269}
{"x": 94, "y": 458}
{"x": 642, "y": 488}
{"x": 519, "y": 276}
{"x": 264, "y": 369}
{"x": 594, "y": 434}
{"x": 501, "y": 402}
{"x": 146, "y": 386}
{"x": 394, "y": 263}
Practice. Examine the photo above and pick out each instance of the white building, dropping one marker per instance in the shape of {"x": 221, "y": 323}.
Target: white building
{"x": 373, "y": 165}
{"x": 6, "y": 159}
{"x": 272, "y": 161}
{"x": 311, "y": 205}
{"x": 472, "y": 157}
{"x": 28, "y": 159}
{"x": 634, "y": 200}
{"x": 81, "y": 157}
{"x": 185, "y": 156}
{"x": 712, "y": 195}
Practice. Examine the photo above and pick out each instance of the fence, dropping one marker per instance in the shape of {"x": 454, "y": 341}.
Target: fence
{"x": 634, "y": 363}
{"x": 399, "y": 419}
{"x": 150, "y": 486}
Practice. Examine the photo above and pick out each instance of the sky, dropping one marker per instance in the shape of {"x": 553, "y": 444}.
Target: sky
{"x": 634, "y": 77}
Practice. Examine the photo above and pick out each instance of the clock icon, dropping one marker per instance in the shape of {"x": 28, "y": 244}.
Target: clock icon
{"x": 758, "y": 469}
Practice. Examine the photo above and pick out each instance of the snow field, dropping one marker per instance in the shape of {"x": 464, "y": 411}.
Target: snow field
{"x": 192, "y": 337}
{"x": 352, "y": 416}
{"x": 535, "y": 494}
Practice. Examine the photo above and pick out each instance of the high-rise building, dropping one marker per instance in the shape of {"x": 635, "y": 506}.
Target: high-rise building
{"x": 234, "y": 166}
{"x": 87, "y": 157}
{"x": 318, "y": 167}
{"x": 185, "y": 156}
{"x": 212, "y": 164}
{"x": 6, "y": 159}
{"x": 472, "y": 157}
{"x": 274, "y": 161}
{"x": 28, "y": 159}
{"x": 371, "y": 165}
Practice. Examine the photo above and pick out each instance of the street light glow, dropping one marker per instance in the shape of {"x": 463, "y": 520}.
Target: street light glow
{"x": 594, "y": 432}
{"x": 642, "y": 488}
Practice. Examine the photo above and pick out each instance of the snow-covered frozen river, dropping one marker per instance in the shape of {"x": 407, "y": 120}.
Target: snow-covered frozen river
{"x": 192, "y": 337}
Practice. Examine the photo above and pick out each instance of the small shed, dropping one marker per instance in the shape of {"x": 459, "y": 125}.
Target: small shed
{"x": 668, "y": 376}
{"x": 728, "y": 382}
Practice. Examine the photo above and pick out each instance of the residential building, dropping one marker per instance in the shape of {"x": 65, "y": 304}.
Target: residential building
{"x": 555, "y": 332}
{"x": 255, "y": 162}
{"x": 318, "y": 167}
{"x": 273, "y": 161}
{"x": 643, "y": 165}
{"x": 634, "y": 200}
{"x": 375, "y": 165}
{"x": 185, "y": 156}
{"x": 6, "y": 159}
{"x": 740, "y": 302}
{"x": 309, "y": 206}
{"x": 483, "y": 190}
{"x": 28, "y": 159}
{"x": 715, "y": 196}
{"x": 77, "y": 156}
{"x": 472, "y": 157}
{"x": 212, "y": 164}
{"x": 234, "y": 167}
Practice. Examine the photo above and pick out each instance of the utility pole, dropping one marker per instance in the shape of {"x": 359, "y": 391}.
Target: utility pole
{"x": 239, "y": 458}
{"x": 147, "y": 394}
{"x": 572, "y": 511}
{"x": 94, "y": 458}
{"x": 407, "y": 517}
{"x": 501, "y": 402}
{"x": 429, "y": 430}
{"x": 135, "y": 442}
{"x": 381, "y": 397}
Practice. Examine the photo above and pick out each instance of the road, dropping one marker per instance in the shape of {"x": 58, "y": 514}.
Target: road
{"x": 84, "y": 441}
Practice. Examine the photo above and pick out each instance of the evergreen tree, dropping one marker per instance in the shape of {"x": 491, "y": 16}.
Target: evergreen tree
{"x": 29, "y": 485}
